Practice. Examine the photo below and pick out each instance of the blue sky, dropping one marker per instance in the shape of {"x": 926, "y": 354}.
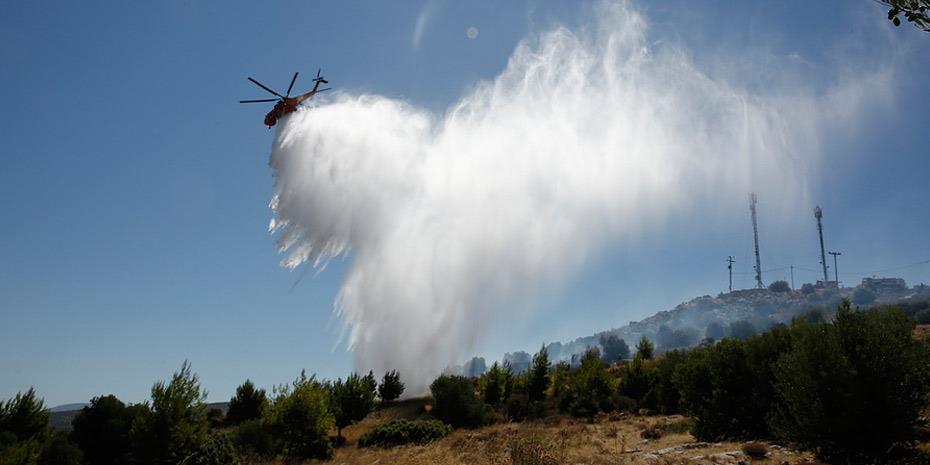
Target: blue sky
{"x": 134, "y": 189}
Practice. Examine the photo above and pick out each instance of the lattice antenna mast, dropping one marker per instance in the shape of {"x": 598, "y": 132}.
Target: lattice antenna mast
{"x": 755, "y": 236}
{"x": 730, "y": 262}
{"x": 818, "y": 213}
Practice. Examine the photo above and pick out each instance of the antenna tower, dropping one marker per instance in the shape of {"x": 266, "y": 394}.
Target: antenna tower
{"x": 755, "y": 236}
{"x": 836, "y": 270}
{"x": 730, "y": 262}
{"x": 818, "y": 213}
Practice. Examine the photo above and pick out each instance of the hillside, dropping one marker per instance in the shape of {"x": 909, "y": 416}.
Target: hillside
{"x": 688, "y": 323}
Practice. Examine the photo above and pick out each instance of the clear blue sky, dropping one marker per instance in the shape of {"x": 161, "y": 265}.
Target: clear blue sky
{"x": 134, "y": 189}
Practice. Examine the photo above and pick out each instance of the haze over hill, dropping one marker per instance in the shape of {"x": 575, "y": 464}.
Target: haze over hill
{"x": 750, "y": 310}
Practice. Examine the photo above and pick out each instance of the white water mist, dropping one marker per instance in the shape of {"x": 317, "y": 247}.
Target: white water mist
{"x": 585, "y": 140}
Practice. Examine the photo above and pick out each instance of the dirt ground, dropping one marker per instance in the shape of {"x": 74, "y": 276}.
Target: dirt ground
{"x": 615, "y": 439}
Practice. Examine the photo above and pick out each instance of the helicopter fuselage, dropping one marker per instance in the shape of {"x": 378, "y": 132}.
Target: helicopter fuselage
{"x": 285, "y": 107}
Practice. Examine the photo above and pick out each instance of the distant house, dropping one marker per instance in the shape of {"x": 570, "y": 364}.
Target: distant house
{"x": 885, "y": 284}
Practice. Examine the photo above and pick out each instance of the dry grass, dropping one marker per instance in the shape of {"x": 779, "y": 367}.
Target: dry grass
{"x": 611, "y": 440}
{"x": 922, "y": 332}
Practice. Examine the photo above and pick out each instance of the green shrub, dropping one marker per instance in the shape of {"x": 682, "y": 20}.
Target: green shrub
{"x": 664, "y": 393}
{"x": 636, "y": 381}
{"x": 399, "y": 432}
{"x": 538, "y": 381}
{"x": 685, "y": 425}
{"x": 716, "y": 386}
{"x": 352, "y": 400}
{"x": 779, "y": 286}
{"x": 391, "y": 387}
{"x": 495, "y": 384}
{"x": 216, "y": 449}
{"x": 645, "y": 349}
{"x": 300, "y": 418}
{"x": 102, "y": 430}
{"x": 58, "y": 450}
{"x": 592, "y": 386}
{"x": 248, "y": 404}
{"x": 254, "y": 441}
{"x": 24, "y": 416}
{"x": 624, "y": 403}
{"x": 854, "y": 389}
{"x": 456, "y": 401}
{"x": 176, "y": 425}
{"x": 923, "y": 317}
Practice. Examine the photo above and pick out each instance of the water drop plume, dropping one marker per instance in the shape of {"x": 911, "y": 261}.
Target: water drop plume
{"x": 586, "y": 140}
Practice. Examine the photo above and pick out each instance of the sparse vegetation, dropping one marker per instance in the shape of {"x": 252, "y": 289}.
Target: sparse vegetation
{"x": 779, "y": 286}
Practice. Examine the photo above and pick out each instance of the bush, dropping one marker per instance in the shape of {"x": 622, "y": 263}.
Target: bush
{"x": 24, "y": 416}
{"x": 351, "y": 400}
{"x": 58, "y": 450}
{"x": 591, "y": 387}
{"x": 456, "y": 401}
{"x": 636, "y": 381}
{"x": 854, "y": 389}
{"x": 645, "y": 349}
{"x": 217, "y": 449}
{"x": 248, "y": 404}
{"x": 807, "y": 289}
{"x": 495, "y": 384}
{"x": 755, "y": 450}
{"x": 682, "y": 426}
{"x": 779, "y": 286}
{"x": 391, "y": 388}
{"x": 614, "y": 348}
{"x": 714, "y": 331}
{"x": 664, "y": 393}
{"x": 301, "y": 419}
{"x": 176, "y": 425}
{"x": 102, "y": 430}
{"x": 742, "y": 329}
{"x": 399, "y": 432}
{"x": 254, "y": 441}
{"x": 922, "y": 317}
{"x": 728, "y": 387}
{"x": 538, "y": 381}
{"x": 624, "y": 404}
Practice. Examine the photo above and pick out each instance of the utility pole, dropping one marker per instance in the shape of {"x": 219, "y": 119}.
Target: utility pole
{"x": 730, "y": 262}
{"x": 755, "y": 236}
{"x": 836, "y": 271}
{"x": 792, "y": 277}
{"x": 818, "y": 213}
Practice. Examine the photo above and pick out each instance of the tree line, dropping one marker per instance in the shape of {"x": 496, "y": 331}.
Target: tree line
{"x": 175, "y": 425}
{"x": 851, "y": 388}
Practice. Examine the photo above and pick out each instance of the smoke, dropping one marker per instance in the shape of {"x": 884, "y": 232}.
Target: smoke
{"x": 585, "y": 141}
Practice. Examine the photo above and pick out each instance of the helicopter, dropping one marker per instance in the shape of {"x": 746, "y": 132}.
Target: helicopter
{"x": 285, "y": 103}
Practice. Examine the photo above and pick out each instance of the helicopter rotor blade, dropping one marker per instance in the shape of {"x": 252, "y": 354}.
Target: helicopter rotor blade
{"x": 263, "y": 87}
{"x": 291, "y": 86}
{"x": 264, "y": 100}
{"x": 324, "y": 90}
